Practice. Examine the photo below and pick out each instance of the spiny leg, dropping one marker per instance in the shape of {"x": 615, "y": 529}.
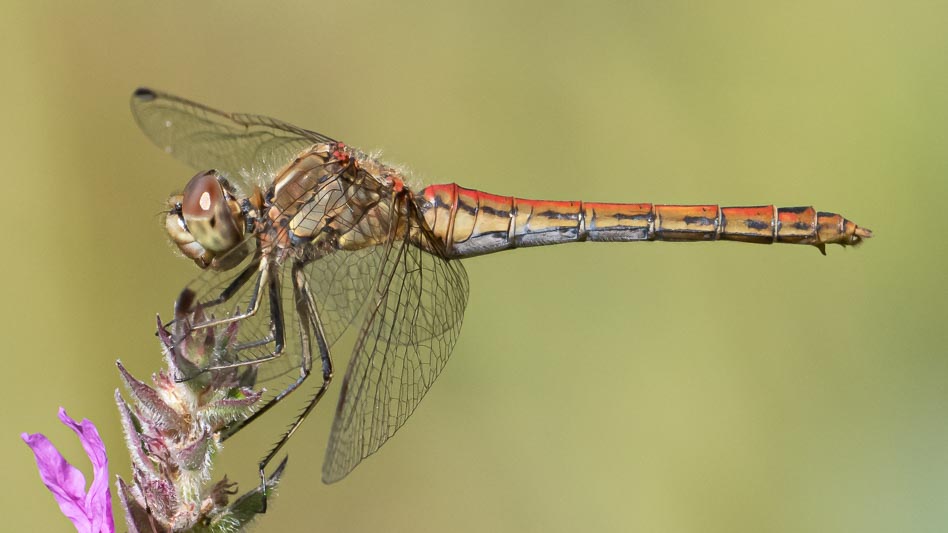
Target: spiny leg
{"x": 231, "y": 289}
{"x": 186, "y": 302}
{"x": 187, "y": 297}
{"x": 264, "y": 277}
{"x": 309, "y": 317}
{"x": 277, "y": 333}
{"x": 310, "y": 325}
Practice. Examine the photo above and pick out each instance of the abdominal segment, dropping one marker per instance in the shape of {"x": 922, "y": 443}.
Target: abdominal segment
{"x": 472, "y": 222}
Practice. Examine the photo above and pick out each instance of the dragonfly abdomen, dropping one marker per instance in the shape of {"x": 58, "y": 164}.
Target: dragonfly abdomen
{"x": 471, "y": 222}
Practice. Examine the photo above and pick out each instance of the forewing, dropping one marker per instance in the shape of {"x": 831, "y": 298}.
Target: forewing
{"x": 247, "y": 149}
{"x": 410, "y": 330}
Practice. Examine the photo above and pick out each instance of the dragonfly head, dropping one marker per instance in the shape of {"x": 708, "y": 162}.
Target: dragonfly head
{"x": 206, "y": 222}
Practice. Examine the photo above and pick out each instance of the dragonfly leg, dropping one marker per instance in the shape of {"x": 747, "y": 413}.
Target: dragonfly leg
{"x": 306, "y": 306}
{"x": 264, "y": 277}
{"x": 310, "y": 327}
{"x": 277, "y": 331}
{"x": 187, "y": 296}
{"x": 229, "y": 291}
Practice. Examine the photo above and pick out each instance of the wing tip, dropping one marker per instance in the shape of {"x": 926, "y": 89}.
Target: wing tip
{"x": 335, "y": 467}
{"x": 144, "y": 94}
{"x": 332, "y": 477}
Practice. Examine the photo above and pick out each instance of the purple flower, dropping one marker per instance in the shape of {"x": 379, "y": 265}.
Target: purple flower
{"x": 92, "y": 512}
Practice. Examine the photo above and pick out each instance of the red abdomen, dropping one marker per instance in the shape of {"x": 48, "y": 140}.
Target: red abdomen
{"x": 470, "y": 222}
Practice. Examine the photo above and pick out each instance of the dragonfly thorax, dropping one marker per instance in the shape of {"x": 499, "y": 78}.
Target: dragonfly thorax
{"x": 207, "y": 222}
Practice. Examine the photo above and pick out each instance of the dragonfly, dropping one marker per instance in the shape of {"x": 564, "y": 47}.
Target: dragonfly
{"x": 300, "y": 235}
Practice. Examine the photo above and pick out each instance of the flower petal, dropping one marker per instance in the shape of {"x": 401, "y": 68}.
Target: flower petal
{"x": 98, "y": 502}
{"x": 61, "y": 478}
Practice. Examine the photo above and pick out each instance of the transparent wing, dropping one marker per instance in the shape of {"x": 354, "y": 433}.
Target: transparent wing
{"x": 341, "y": 281}
{"x": 359, "y": 208}
{"x": 246, "y": 149}
{"x": 226, "y": 294}
{"x": 409, "y": 332}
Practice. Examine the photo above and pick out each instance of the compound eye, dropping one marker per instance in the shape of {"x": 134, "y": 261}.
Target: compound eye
{"x": 207, "y": 214}
{"x": 202, "y": 197}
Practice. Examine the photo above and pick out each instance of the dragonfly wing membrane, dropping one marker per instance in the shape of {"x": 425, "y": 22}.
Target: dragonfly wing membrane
{"x": 228, "y": 294}
{"x": 342, "y": 282}
{"x": 246, "y": 149}
{"x": 410, "y": 329}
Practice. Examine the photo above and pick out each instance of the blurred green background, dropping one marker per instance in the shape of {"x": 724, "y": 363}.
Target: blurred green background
{"x": 649, "y": 387}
